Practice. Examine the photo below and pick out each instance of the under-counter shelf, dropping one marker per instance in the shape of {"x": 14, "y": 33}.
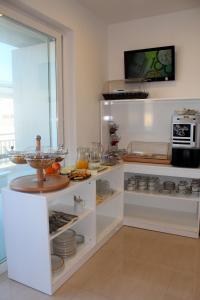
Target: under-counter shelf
{"x": 164, "y": 197}
{"x": 108, "y": 198}
{"x": 70, "y": 210}
{"x": 161, "y": 170}
{"x": 72, "y": 264}
{"x": 167, "y": 211}
{"x": 153, "y": 218}
{"x": 106, "y": 226}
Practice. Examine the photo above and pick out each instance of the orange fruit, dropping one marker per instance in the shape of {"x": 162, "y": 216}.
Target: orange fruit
{"x": 49, "y": 171}
{"x": 56, "y": 166}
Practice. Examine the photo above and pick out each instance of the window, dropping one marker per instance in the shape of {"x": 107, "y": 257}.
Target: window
{"x": 29, "y": 73}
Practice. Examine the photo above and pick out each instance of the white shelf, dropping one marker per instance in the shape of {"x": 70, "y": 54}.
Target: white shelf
{"x": 109, "y": 198}
{"x": 72, "y": 187}
{"x": 161, "y": 196}
{"x": 107, "y": 102}
{"x": 109, "y": 170}
{"x": 162, "y": 170}
{"x": 70, "y": 210}
{"x": 106, "y": 225}
{"x": 183, "y": 223}
{"x": 72, "y": 264}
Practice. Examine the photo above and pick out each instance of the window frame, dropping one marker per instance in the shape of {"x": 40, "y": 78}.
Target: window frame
{"x": 32, "y": 22}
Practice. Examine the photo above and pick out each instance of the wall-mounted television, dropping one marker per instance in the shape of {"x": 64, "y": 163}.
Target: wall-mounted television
{"x": 152, "y": 64}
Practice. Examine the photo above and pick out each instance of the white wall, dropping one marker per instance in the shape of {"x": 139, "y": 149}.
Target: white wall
{"x": 90, "y": 54}
{"x": 181, "y": 29}
{"x": 144, "y": 120}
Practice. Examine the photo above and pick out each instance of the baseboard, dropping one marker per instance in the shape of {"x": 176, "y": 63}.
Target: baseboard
{"x": 3, "y": 267}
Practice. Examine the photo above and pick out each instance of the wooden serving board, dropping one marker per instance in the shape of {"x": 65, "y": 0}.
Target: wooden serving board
{"x": 131, "y": 158}
{"x": 29, "y": 184}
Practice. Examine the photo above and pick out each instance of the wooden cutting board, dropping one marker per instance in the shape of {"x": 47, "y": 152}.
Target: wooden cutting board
{"x": 132, "y": 158}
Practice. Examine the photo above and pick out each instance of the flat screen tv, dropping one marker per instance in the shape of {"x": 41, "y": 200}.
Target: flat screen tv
{"x": 152, "y": 64}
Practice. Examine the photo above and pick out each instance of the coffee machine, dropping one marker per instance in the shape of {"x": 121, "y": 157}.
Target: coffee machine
{"x": 186, "y": 139}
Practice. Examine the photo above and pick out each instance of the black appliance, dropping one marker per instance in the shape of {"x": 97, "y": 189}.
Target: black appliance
{"x": 186, "y": 141}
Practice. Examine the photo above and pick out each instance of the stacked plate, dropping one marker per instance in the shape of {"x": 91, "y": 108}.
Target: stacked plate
{"x": 57, "y": 263}
{"x": 65, "y": 244}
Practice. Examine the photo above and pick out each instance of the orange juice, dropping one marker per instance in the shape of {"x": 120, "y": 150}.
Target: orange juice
{"x": 82, "y": 164}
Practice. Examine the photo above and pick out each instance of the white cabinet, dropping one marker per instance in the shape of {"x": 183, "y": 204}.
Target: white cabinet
{"x": 27, "y": 238}
{"x": 109, "y": 213}
{"x": 26, "y": 219}
{"x": 176, "y": 214}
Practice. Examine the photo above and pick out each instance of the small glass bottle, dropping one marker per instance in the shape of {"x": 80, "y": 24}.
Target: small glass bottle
{"x": 78, "y": 204}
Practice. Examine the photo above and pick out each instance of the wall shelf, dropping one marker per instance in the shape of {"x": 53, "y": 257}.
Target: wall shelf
{"x": 115, "y": 101}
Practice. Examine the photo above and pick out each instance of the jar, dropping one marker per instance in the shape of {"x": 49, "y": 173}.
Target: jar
{"x": 95, "y": 156}
{"x": 195, "y": 186}
{"x": 153, "y": 184}
{"x": 82, "y": 158}
{"x": 142, "y": 184}
{"x": 130, "y": 187}
{"x": 182, "y": 187}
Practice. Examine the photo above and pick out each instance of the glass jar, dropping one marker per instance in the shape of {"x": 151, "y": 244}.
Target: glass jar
{"x": 195, "y": 186}
{"x": 82, "y": 158}
{"x": 95, "y": 156}
{"x": 182, "y": 186}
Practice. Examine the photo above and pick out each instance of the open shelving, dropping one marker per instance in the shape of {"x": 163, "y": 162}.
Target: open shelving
{"x": 108, "y": 198}
{"x": 27, "y": 220}
{"x": 85, "y": 227}
{"x": 171, "y": 213}
{"x": 170, "y": 221}
{"x": 109, "y": 213}
{"x": 27, "y": 228}
{"x": 70, "y": 210}
{"x": 107, "y": 225}
{"x": 164, "y": 197}
{"x": 72, "y": 264}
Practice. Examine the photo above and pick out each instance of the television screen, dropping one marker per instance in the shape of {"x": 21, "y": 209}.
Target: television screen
{"x": 153, "y": 64}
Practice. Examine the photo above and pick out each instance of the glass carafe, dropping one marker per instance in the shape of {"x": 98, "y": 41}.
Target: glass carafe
{"x": 82, "y": 158}
{"x": 95, "y": 156}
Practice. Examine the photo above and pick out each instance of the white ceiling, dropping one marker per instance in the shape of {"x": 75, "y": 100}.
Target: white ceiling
{"x": 114, "y": 11}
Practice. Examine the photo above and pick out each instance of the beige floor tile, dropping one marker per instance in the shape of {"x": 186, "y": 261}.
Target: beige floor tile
{"x": 182, "y": 286}
{"x": 86, "y": 295}
{"x": 134, "y": 265}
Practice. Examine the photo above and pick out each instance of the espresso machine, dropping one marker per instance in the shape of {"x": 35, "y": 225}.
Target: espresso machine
{"x": 186, "y": 139}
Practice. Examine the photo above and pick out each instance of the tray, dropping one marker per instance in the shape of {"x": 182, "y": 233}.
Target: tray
{"x": 29, "y": 184}
{"x": 142, "y": 159}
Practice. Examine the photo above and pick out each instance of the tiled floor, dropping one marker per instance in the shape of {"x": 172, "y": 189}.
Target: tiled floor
{"x": 134, "y": 265}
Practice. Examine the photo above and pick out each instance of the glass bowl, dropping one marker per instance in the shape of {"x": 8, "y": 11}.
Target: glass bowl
{"x": 41, "y": 160}
{"x": 17, "y": 157}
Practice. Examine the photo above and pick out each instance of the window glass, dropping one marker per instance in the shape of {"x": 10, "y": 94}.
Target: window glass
{"x": 27, "y": 94}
